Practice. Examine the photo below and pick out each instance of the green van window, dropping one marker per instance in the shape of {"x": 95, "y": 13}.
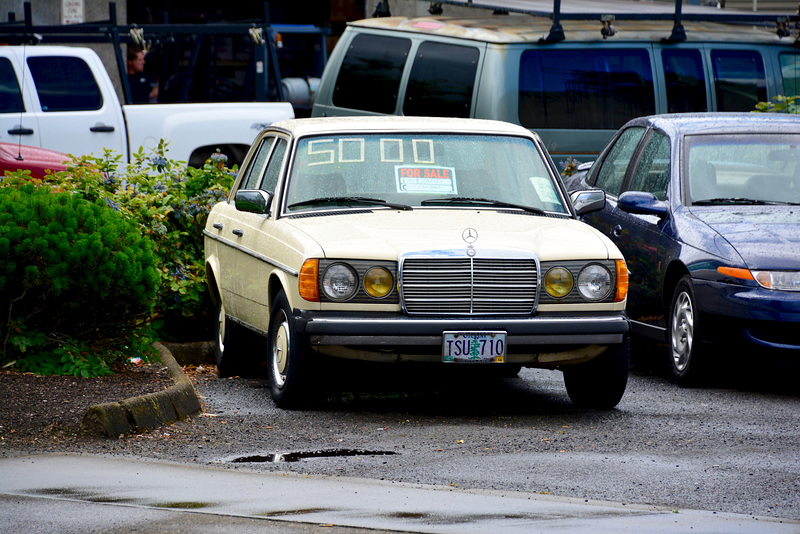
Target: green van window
{"x": 684, "y": 80}
{"x": 790, "y": 71}
{"x": 442, "y": 80}
{"x": 739, "y": 79}
{"x": 584, "y": 88}
{"x": 369, "y": 77}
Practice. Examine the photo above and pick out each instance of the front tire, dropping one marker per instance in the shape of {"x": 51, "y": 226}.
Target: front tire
{"x": 287, "y": 366}
{"x": 600, "y": 383}
{"x": 683, "y": 334}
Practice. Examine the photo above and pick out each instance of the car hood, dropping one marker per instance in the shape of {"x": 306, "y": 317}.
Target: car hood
{"x": 765, "y": 237}
{"x": 384, "y": 234}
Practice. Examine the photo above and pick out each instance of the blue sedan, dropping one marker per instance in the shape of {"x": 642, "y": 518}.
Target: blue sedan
{"x": 706, "y": 210}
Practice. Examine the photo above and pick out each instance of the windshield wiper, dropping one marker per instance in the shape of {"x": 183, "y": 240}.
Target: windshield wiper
{"x": 479, "y": 200}
{"x": 737, "y": 200}
{"x": 356, "y": 200}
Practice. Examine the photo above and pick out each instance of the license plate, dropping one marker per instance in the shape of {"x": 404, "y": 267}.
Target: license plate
{"x": 474, "y": 347}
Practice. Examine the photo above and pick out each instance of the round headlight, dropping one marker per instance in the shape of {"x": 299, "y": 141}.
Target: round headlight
{"x": 339, "y": 282}
{"x": 558, "y": 282}
{"x": 378, "y": 282}
{"x": 594, "y": 282}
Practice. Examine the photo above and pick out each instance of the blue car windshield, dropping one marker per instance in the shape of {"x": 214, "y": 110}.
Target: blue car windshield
{"x": 741, "y": 169}
{"x": 421, "y": 170}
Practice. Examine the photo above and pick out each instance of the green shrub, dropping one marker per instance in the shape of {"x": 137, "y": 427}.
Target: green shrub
{"x": 779, "y": 104}
{"x": 77, "y": 281}
{"x": 169, "y": 202}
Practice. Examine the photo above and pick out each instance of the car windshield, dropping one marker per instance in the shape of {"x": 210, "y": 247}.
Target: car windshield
{"x": 742, "y": 169}
{"x": 407, "y": 171}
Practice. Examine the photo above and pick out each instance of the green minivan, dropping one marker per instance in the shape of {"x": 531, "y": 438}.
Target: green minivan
{"x": 575, "y": 89}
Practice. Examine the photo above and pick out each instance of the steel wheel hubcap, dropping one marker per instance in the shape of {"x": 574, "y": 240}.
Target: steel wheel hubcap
{"x": 682, "y": 331}
{"x": 280, "y": 350}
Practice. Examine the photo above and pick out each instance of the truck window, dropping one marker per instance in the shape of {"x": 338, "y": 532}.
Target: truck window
{"x": 790, "y": 71}
{"x": 584, "y": 88}
{"x": 369, "y": 77}
{"x": 684, "y": 80}
{"x": 65, "y": 84}
{"x": 442, "y": 80}
{"x": 739, "y": 79}
{"x": 10, "y": 96}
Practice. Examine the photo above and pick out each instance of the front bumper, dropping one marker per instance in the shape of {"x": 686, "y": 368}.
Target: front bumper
{"x": 544, "y": 332}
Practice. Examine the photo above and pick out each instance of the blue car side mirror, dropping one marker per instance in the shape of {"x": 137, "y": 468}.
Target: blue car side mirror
{"x": 642, "y": 203}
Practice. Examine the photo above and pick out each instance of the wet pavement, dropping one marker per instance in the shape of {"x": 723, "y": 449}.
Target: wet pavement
{"x": 68, "y": 493}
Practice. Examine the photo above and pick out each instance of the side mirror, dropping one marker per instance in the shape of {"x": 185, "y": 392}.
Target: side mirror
{"x": 253, "y": 201}
{"x": 588, "y": 201}
{"x": 642, "y": 203}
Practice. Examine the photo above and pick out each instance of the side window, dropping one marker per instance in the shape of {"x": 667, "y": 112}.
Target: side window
{"x": 252, "y": 174}
{"x": 442, "y": 80}
{"x": 652, "y": 172}
{"x": 10, "y": 96}
{"x": 273, "y": 172}
{"x": 65, "y": 84}
{"x": 600, "y": 88}
{"x": 611, "y": 173}
{"x": 685, "y": 81}
{"x": 739, "y": 79}
{"x": 369, "y": 78}
{"x": 790, "y": 71}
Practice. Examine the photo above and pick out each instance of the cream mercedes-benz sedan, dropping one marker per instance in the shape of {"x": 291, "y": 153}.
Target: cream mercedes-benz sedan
{"x": 406, "y": 239}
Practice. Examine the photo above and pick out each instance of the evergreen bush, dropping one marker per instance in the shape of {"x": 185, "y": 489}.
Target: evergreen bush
{"x": 77, "y": 281}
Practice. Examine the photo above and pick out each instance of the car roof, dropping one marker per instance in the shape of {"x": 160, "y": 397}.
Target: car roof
{"x": 722, "y": 122}
{"x": 513, "y": 28}
{"x": 323, "y": 125}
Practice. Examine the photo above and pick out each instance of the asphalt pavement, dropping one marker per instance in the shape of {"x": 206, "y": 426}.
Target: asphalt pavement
{"x": 66, "y": 493}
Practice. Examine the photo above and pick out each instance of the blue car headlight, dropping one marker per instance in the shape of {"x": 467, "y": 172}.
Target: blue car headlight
{"x": 780, "y": 280}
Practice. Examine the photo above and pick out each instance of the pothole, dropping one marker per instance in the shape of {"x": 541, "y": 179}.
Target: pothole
{"x": 297, "y": 456}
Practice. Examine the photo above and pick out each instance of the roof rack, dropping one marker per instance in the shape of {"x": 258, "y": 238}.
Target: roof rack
{"x": 262, "y": 34}
{"x": 611, "y": 10}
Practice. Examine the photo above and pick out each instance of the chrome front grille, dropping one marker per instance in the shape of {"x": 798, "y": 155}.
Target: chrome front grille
{"x": 435, "y": 285}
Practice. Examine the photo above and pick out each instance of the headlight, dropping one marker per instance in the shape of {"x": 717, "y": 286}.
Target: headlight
{"x": 780, "y": 280}
{"x": 339, "y": 282}
{"x": 378, "y": 282}
{"x": 558, "y": 282}
{"x": 594, "y": 282}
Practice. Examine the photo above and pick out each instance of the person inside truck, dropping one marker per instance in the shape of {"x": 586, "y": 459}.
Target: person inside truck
{"x": 144, "y": 88}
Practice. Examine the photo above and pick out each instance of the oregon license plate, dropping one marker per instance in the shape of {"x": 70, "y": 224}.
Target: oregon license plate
{"x": 474, "y": 347}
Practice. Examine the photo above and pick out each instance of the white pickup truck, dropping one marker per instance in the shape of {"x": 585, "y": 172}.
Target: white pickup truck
{"x": 62, "y": 98}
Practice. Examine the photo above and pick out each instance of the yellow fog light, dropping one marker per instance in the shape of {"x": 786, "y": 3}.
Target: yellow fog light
{"x": 378, "y": 282}
{"x": 558, "y": 282}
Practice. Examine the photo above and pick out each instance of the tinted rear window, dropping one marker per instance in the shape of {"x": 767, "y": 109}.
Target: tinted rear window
{"x": 369, "y": 78}
{"x": 790, "y": 70}
{"x": 10, "y": 97}
{"x": 684, "y": 80}
{"x": 584, "y": 88}
{"x": 65, "y": 84}
{"x": 442, "y": 80}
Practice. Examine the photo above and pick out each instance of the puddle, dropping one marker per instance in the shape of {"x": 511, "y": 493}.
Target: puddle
{"x": 297, "y": 456}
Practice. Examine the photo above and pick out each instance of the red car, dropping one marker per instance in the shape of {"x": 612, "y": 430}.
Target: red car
{"x": 15, "y": 157}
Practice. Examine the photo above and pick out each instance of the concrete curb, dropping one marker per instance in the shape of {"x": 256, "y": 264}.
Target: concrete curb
{"x": 136, "y": 414}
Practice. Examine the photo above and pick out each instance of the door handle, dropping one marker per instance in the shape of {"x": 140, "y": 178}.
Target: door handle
{"x": 101, "y": 128}
{"x": 237, "y": 232}
{"x": 617, "y": 231}
{"x": 218, "y": 226}
{"x": 20, "y": 131}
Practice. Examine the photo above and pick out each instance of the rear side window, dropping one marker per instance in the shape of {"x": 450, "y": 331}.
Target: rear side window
{"x": 739, "y": 79}
{"x": 10, "y": 96}
{"x": 684, "y": 80}
{"x": 369, "y": 78}
{"x": 790, "y": 71}
{"x": 615, "y": 165}
{"x": 442, "y": 80}
{"x": 65, "y": 84}
{"x": 584, "y": 88}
